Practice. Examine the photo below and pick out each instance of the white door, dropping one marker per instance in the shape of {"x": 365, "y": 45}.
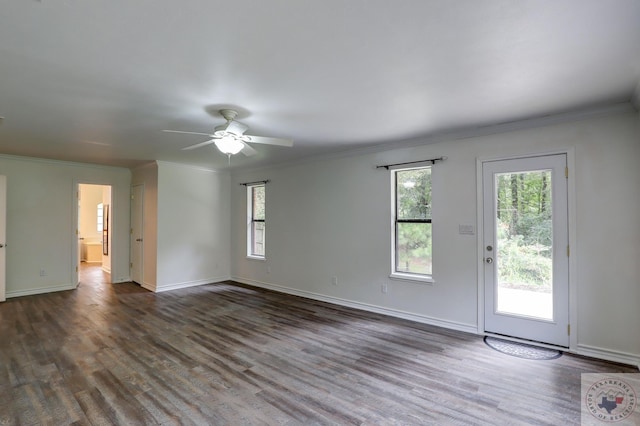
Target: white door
{"x": 3, "y": 236}
{"x": 137, "y": 210}
{"x": 79, "y": 236}
{"x": 525, "y": 253}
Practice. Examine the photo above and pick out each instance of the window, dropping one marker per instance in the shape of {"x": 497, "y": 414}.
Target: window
{"x": 256, "y": 223}
{"x": 100, "y": 220}
{"x": 412, "y": 224}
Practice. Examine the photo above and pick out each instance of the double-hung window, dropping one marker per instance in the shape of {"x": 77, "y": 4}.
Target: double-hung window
{"x": 412, "y": 229}
{"x": 256, "y": 221}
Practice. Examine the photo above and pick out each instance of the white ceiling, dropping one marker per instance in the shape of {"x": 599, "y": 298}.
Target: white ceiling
{"x": 97, "y": 81}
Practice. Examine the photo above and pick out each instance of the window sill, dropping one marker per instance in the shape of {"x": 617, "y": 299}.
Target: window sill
{"x": 260, "y": 258}
{"x": 413, "y": 278}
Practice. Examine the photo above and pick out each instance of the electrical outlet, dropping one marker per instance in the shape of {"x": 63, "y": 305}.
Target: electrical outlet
{"x": 334, "y": 280}
{"x": 268, "y": 269}
{"x": 384, "y": 288}
{"x": 43, "y": 273}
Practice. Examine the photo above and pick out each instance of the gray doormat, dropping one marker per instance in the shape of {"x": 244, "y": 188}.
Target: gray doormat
{"x": 521, "y": 350}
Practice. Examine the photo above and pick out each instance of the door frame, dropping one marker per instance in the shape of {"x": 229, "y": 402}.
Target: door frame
{"x": 571, "y": 215}
{"x": 75, "y": 268}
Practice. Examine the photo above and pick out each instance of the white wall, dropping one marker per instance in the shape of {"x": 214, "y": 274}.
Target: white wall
{"x": 331, "y": 217}
{"x": 193, "y": 226}
{"x": 90, "y": 197}
{"x": 41, "y": 207}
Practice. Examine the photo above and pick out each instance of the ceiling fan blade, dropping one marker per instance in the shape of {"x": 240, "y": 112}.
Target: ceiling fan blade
{"x": 236, "y": 128}
{"x": 248, "y": 151}
{"x": 188, "y": 133}
{"x": 269, "y": 141}
{"x": 198, "y": 145}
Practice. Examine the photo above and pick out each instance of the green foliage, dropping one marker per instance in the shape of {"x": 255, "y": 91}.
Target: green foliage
{"x": 414, "y": 248}
{"x": 523, "y": 265}
{"x": 413, "y": 189}
{"x": 524, "y": 230}
{"x": 258, "y": 201}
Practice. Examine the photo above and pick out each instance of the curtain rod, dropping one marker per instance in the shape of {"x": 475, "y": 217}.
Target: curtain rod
{"x": 254, "y": 183}
{"x": 431, "y": 160}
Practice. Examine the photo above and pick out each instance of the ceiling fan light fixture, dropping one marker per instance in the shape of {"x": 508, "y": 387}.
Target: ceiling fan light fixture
{"x": 229, "y": 146}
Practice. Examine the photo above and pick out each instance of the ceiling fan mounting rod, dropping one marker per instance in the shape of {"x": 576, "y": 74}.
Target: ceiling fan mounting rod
{"x": 228, "y": 114}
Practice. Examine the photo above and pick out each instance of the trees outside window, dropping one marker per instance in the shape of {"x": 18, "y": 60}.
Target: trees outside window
{"x": 256, "y": 220}
{"x": 412, "y": 222}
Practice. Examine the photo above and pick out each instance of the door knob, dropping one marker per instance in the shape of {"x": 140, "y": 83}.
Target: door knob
{"x": 489, "y": 260}
{"x": 1, "y": 245}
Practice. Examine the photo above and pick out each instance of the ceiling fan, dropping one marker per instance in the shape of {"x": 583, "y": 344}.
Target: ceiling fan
{"x": 230, "y": 139}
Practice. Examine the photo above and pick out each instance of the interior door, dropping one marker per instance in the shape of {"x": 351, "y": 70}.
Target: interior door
{"x": 3, "y": 236}
{"x": 137, "y": 211}
{"x": 79, "y": 236}
{"x": 525, "y": 254}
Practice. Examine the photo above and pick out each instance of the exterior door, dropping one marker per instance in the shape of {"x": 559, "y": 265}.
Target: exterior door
{"x": 525, "y": 253}
{"x": 3, "y": 237}
{"x": 137, "y": 206}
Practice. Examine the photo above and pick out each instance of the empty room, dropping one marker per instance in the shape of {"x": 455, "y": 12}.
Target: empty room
{"x": 337, "y": 212}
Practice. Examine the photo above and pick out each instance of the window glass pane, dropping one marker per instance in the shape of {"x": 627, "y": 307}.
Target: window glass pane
{"x": 100, "y": 218}
{"x": 258, "y": 202}
{"x": 413, "y": 191}
{"x": 524, "y": 258}
{"x": 258, "y": 229}
{"x": 256, "y": 224}
{"x": 413, "y": 248}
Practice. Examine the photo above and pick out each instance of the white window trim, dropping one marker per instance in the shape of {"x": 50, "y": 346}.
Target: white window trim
{"x": 249, "y": 193}
{"x": 395, "y": 275}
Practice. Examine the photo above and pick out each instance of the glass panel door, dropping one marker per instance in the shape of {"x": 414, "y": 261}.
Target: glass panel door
{"x": 526, "y": 266}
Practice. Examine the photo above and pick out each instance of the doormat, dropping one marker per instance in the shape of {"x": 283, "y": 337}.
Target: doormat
{"x": 521, "y": 350}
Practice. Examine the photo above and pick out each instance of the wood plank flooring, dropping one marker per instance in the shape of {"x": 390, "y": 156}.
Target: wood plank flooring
{"x": 227, "y": 354}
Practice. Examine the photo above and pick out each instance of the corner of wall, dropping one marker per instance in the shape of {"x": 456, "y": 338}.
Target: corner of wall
{"x": 635, "y": 98}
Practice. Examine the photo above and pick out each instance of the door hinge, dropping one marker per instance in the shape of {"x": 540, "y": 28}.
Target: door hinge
{"x": 131, "y": 231}
{"x": 566, "y": 172}
{"x": 76, "y": 268}
{"x": 568, "y": 329}
{"x": 568, "y": 251}
{"x": 131, "y": 265}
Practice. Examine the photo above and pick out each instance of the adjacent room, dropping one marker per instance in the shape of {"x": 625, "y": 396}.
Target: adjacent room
{"x": 337, "y": 212}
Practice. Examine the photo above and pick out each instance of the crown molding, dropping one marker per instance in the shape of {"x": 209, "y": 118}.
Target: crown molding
{"x": 457, "y": 134}
{"x": 60, "y": 162}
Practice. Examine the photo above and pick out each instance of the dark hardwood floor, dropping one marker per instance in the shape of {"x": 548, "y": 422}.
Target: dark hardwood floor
{"x": 227, "y": 354}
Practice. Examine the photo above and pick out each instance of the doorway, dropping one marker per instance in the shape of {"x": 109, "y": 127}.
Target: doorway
{"x": 3, "y": 236}
{"x": 525, "y": 248}
{"x": 94, "y": 228}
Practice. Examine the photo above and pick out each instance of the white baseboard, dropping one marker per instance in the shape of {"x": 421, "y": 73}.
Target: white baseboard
{"x": 148, "y": 286}
{"x": 105, "y": 269}
{"x": 609, "y": 355}
{"x": 186, "y": 284}
{"x": 467, "y": 328}
{"x": 40, "y": 290}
